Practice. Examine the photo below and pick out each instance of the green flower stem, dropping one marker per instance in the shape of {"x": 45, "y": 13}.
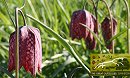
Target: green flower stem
{"x": 128, "y": 26}
{"x": 17, "y": 38}
{"x": 17, "y": 44}
{"x": 24, "y": 20}
{"x": 63, "y": 42}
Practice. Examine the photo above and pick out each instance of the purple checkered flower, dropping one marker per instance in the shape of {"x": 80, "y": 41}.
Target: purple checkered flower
{"x": 106, "y": 31}
{"x": 30, "y": 50}
{"x": 78, "y": 31}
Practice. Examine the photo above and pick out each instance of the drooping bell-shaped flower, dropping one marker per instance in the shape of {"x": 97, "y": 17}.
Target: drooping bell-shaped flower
{"x": 30, "y": 50}
{"x": 106, "y": 31}
{"x": 76, "y": 29}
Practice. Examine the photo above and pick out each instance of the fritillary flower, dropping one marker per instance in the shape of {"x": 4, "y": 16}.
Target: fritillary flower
{"x": 106, "y": 31}
{"x": 30, "y": 50}
{"x": 78, "y": 31}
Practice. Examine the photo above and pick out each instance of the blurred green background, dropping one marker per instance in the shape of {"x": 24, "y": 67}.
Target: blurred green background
{"x": 57, "y": 61}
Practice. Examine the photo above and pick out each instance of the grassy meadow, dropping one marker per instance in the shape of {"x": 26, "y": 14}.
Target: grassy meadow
{"x": 58, "y": 60}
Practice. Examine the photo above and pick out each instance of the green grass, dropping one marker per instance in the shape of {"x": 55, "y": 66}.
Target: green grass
{"x": 58, "y": 61}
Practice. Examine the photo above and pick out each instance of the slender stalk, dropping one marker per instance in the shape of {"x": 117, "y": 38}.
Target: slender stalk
{"x": 17, "y": 38}
{"x": 25, "y": 24}
{"x": 21, "y": 12}
{"x": 17, "y": 44}
{"x": 128, "y": 27}
{"x": 95, "y": 8}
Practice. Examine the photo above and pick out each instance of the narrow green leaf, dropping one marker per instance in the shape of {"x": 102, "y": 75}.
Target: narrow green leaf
{"x": 61, "y": 6}
{"x": 62, "y": 41}
{"x": 33, "y": 10}
{"x": 72, "y": 42}
{"x": 117, "y": 35}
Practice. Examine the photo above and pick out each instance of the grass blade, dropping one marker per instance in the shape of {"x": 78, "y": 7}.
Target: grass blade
{"x": 117, "y": 35}
{"x": 61, "y": 6}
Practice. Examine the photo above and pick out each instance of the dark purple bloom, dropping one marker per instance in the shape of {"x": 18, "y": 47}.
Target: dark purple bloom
{"x": 106, "y": 31}
{"x": 30, "y": 50}
{"x": 76, "y": 29}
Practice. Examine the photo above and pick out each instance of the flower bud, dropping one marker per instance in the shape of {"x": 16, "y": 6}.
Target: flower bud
{"x": 30, "y": 50}
{"x": 106, "y": 31}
